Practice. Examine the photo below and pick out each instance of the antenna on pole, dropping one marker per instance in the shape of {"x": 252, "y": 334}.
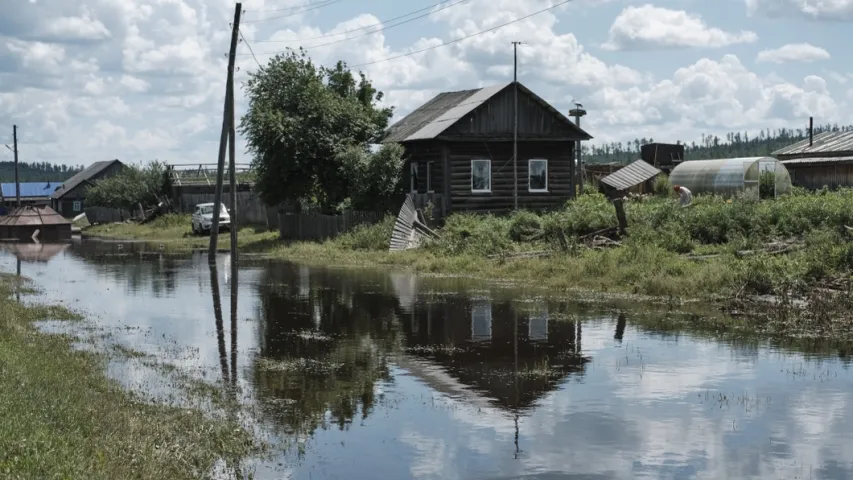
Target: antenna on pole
{"x": 515, "y": 45}
{"x": 578, "y": 112}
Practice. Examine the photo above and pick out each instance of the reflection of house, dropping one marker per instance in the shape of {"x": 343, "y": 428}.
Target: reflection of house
{"x": 70, "y": 198}
{"x": 482, "y": 346}
{"x": 32, "y": 193}
{"x": 460, "y": 145}
{"x": 825, "y": 159}
{"x": 35, "y": 252}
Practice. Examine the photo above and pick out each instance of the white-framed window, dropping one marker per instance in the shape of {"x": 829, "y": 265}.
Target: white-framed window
{"x": 481, "y": 176}
{"x": 429, "y": 177}
{"x": 77, "y": 206}
{"x": 413, "y": 177}
{"x": 537, "y": 175}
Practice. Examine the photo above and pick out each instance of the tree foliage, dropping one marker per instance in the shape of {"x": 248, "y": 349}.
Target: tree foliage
{"x": 129, "y": 187}
{"x": 734, "y": 145}
{"x": 300, "y": 118}
{"x": 37, "y": 171}
{"x": 375, "y": 177}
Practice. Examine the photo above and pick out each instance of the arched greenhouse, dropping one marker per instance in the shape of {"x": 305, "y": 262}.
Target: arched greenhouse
{"x": 731, "y": 176}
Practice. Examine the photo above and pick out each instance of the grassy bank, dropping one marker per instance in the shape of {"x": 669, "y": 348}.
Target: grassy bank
{"x": 60, "y": 417}
{"x": 716, "y": 249}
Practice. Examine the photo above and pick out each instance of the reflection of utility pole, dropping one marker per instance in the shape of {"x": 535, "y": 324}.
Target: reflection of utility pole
{"x": 515, "y": 356}
{"x": 220, "y": 328}
{"x": 620, "y": 327}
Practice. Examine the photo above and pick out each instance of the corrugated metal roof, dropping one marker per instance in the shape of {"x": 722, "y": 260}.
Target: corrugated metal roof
{"x": 407, "y": 126}
{"x": 30, "y": 215}
{"x": 827, "y": 142}
{"x": 81, "y": 177}
{"x": 437, "y": 115}
{"x": 802, "y": 161}
{"x": 29, "y": 189}
{"x": 630, "y": 175}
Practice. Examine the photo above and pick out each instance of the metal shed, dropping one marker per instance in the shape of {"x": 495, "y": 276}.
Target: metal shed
{"x": 730, "y": 176}
{"x": 22, "y": 222}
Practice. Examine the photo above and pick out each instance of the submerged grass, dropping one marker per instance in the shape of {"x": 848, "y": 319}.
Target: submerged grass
{"x": 61, "y": 417}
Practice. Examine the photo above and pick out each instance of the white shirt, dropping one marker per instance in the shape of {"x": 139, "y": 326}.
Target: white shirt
{"x": 684, "y": 197}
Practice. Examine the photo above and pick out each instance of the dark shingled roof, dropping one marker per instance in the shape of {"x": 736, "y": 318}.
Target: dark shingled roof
{"x": 82, "y": 177}
{"x": 445, "y": 109}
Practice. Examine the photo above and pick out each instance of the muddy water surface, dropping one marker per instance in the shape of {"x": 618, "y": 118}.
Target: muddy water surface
{"x": 379, "y": 375}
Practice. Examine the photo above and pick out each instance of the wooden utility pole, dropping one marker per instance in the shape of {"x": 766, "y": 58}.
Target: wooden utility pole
{"x": 515, "y": 45}
{"x": 578, "y": 177}
{"x": 227, "y": 120}
{"x": 17, "y": 182}
{"x": 232, "y": 178}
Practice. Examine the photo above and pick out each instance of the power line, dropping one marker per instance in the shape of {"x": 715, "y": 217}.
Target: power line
{"x": 380, "y": 23}
{"x": 315, "y": 7}
{"x": 462, "y": 38}
{"x": 287, "y": 9}
{"x": 378, "y": 30}
{"x": 250, "y": 49}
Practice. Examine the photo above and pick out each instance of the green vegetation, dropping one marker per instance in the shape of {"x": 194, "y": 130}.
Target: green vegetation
{"x": 734, "y": 145}
{"x": 309, "y": 127}
{"x": 132, "y": 186}
{"x": 37, "y": 172}
{"x": 60, "y": 417}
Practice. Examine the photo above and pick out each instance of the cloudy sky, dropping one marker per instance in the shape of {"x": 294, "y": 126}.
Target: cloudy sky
{"x": 140, "y": 80}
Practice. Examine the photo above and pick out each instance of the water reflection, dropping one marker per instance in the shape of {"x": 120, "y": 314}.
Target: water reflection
{"x": 391, "y": 376}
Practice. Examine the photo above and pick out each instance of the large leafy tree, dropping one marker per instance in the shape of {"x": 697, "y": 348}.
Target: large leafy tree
{"x": 300, "y": 118}
{"x": 129, "y": 187}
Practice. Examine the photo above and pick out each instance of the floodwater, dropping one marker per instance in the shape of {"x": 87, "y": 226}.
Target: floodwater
{"x": 381, "y": 375}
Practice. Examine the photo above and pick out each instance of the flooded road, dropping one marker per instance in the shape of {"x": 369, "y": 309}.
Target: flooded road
{"x": 381, "y": 375}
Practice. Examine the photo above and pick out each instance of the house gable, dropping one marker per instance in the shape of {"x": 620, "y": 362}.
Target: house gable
{"x": 494, "y": 119}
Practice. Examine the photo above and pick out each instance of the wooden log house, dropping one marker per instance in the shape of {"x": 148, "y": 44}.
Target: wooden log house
{"x": 459, "y": 151}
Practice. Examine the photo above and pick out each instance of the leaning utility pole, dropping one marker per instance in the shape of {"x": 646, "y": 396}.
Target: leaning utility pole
{"x": 223, "y": 140}
{"x": 17, "y": 183}
{"x": 515, "y": 45}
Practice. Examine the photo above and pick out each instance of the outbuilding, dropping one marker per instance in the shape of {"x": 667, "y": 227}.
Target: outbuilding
{"x": 821, "y": 160}
{"x": 731, "y": 176}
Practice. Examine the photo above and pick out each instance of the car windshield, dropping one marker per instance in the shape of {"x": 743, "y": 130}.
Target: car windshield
{"x": 208, "y": 209}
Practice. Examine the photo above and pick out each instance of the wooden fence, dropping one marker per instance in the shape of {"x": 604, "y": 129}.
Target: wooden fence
{"x": 250, "y": 209}
{"x": 105, "y": 215}
{"x": 315, "y": 226}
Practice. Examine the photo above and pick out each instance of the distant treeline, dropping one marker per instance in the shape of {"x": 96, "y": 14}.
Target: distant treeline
{"x": 735, "y": 144}
{"x": 37, "y": 172}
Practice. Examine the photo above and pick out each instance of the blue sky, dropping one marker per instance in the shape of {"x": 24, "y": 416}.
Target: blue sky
{"x": 144, "y": 79}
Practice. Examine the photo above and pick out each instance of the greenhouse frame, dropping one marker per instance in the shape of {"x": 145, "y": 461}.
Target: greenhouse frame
{"x": 731, "y": 176}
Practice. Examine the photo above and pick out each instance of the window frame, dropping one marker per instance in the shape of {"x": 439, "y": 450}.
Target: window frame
{"x": 413, "y": 177}
{"x": 429, "y": 177}
{"x": 489, "y": 162}
{"x": 77, "y": 206}
{"x": 529, "y": 177}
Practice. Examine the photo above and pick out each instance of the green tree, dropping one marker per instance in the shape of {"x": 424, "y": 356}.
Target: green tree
{"x": 375, "y": 177}
{"x": 300, "y": 118}
{"x": 130, "y": 187}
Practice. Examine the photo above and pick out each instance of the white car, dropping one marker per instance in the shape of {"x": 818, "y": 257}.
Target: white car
{"x": 203, "y": 218}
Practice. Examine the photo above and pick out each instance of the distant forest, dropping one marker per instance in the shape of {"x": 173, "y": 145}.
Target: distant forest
{"x": 37, "y": 172}
{"x": 734, "y": 145}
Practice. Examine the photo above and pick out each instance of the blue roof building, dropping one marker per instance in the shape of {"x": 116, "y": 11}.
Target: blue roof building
{"x": 29, "y": 190}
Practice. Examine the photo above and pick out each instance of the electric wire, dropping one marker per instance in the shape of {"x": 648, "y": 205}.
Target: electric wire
{"x": 315, "y": 7}
{"x": 250, "y": 48}
{"x": 378, "y": 24}
{"x": 497, "y": 27}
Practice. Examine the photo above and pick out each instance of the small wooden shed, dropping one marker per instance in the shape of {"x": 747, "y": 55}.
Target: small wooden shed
{"x": 459, "y": 151}
{"x": 22, "y": 223}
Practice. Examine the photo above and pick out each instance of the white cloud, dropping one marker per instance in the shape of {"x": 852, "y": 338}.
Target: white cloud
{"x": 82, "y": 27}
{"x": 812, "y": 9}
{"x": 648, "y": 27}
{"x": 150, "y": 83}
{"x": 793, "y": 52}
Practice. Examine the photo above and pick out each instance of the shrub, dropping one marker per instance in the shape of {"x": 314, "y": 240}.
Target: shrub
{"x": 662, "y": 185}
{"x": 375, "y": 236}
